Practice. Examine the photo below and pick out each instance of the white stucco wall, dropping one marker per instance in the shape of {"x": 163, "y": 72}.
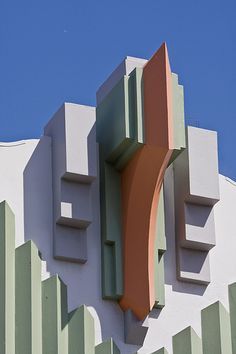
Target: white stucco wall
{"x": 26, "y": 183}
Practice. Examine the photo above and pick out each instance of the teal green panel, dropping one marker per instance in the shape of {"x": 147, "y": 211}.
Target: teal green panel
{"x": 108, "y": 347}
{"x": 55, "y": 317}
{"x": 136, "y": 112}
{"x": 178, "y": 113}
{"x": 160, "y": 247}
{"x": 112, "y": 273}
{"x": 112, "y": 121}
{"x": 216, "y": 334}
{"x": 160, "y": 227}
{"x": 178, "y": 117}
{"x": 232, "y": 308}
{"x": 81, "y": 332}
{"x": 28, "y": 300}
{"x": 159, "y": 281}
{"x": 187, "y": 342}
{"x": 7, "y": 278}
{"x": 120, "y": 134}
{"x": 136, "y": 116}
{"x": 111, "y": 198}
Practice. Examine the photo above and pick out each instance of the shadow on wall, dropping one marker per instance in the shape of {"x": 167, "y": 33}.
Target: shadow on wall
{"x": 38, "y": 207}
{"x": 170, "y": 254}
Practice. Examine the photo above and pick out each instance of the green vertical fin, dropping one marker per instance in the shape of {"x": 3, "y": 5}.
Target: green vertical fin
{"x": 178, "y": 117}
{"x": 55, "y": 317}
{"x": 160, "y": 247}
{"x": 232, "y": 310}
{"x": 7, "y": 278}
{"x": 135, "y": 116}
{"x": 81, "y": 332}
{"x": 108, "y": 347}
{"x": 216, "y": 336}
{"x": 120, "y": 133}
{"x": 28, "y": 300}
{"x": 187, "y": 342}
{"x": 112, "y": 273}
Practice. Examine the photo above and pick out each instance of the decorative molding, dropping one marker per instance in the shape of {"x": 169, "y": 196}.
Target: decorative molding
{"x": 196, "y": 188}
{"x": 119, "y": 134}
{"x": 140, "y": 130}
{"x": 74, "y": 167}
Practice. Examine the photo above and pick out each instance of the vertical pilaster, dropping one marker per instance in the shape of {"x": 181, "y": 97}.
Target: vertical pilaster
{"x": 216, "y": 336}
{"x": 187, "y": 342}
{"x": 108, "y": 347}
{"x": 232, "y": 310}
{"x": 81, "y": 332}
{"x": 55, "y": 318}
{"x": 7, "y": 280}
{"x": 28, "y": 300}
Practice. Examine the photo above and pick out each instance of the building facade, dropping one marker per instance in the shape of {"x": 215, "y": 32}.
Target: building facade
{"x": 117, "y": 232}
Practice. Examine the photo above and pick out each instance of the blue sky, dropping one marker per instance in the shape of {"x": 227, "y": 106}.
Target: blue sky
{"x": 62, "y": 50}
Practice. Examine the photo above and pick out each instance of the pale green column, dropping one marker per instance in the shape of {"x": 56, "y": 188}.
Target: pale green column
{"x": 178, "y": 117}
{"x": 7, "y": 280}
{"x": 159, "y": 280}
{"x": 216, "y": 333}
{"x": 232, "y": 310}
{"x": 187, "y": 342}
{"x": 108, "y": 347}
{"x": 28, "y": 300}
{"x": 55, "y": 316}
{"x": 81, "y": 332}
{"x": 112, "y": 267}
{"x": 160, "y": 248}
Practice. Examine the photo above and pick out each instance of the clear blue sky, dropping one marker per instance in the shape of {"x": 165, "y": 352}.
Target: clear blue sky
{"x": 53, "y": 51}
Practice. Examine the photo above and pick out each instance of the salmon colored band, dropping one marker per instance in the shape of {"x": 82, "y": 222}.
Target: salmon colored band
{"x": 141, "y": 183}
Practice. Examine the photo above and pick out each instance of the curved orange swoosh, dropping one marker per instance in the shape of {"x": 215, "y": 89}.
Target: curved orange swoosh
{"x": 141, "y": 183}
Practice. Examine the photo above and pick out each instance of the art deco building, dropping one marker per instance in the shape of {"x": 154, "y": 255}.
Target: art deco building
{"x": 117, "y": 232}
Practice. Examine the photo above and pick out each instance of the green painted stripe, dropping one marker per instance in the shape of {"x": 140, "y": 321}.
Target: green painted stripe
{"x": 136, "y": 113}
{"x": 232, "y": 310}
{"x": 112, "y": 121}
{"x": 160, "y": 227}
{"x": 28, "y": 300}
{"x": 135, "y": 116}
{"x": 178, "y": 113}
{"x": 120, "y": 133}
{"x": 160, "y": 247}
{"x": 216, "y": 336}
{"x": 187, "y": 342}
{"x": 178, "y": 117}
{"x": 55, "y": 317}
{"x": 7, "y": 278}
{"x": 112, "y": 267}
{"x": 108, "y": 347}
{"x": 81, "y": 332}
{"x": 159, "y": 281}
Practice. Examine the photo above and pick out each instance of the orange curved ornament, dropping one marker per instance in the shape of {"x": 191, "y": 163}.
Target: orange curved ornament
{"x": 141, "y": 182}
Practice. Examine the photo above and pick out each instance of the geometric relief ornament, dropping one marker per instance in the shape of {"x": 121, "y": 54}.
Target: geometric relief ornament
{"x": 196, "y": 188}
{"x": 140, "y": 130}
{"x": 74, "y": 168}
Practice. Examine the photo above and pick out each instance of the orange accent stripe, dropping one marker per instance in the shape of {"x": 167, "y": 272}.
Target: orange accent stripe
{"x": 141, "y": 182}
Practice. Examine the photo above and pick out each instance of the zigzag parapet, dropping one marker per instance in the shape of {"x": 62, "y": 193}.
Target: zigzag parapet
{"x": 40, "y": 323}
